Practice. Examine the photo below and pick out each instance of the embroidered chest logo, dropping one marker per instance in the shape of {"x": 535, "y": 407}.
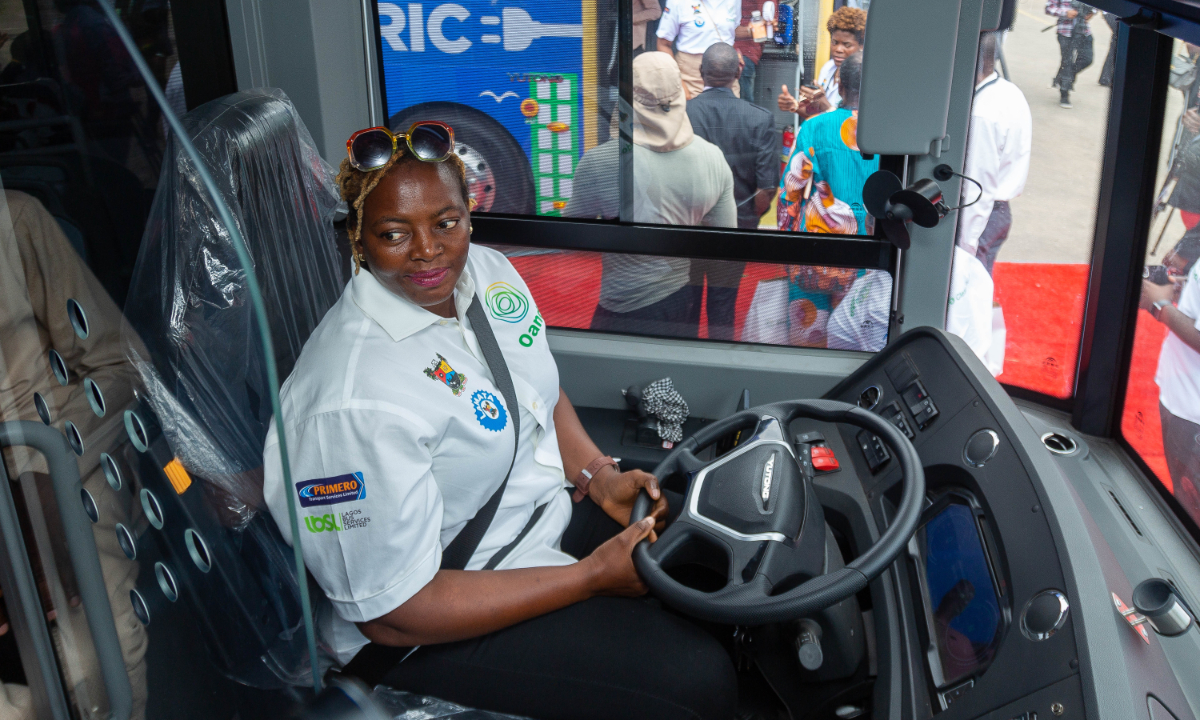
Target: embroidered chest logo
{"x": 506, "y": 303}
{"x": 697, "y": 16}
{"x": 441, "y": 371}
{"x": 488, "y": 411}
{"x": 337, "y": 522}
{"x": 332, "y": 490}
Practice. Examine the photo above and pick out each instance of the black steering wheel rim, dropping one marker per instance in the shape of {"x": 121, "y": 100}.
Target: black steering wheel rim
{"x": 751, "y": 602}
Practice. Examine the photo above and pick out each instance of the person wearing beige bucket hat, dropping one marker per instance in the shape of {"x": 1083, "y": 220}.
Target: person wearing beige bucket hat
{"x": 679, "y": 178}
{"x": 660, "y": 120}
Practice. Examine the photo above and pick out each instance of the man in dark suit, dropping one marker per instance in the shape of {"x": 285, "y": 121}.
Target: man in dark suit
{"x": 746, "y": 135}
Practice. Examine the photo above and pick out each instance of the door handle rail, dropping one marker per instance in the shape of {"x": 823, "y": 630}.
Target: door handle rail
{"x": 81, "y": 543}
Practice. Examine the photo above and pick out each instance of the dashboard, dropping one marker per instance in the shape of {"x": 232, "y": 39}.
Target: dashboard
{"x": 1003, "y": 608}
{"x": 1003, "y": 605}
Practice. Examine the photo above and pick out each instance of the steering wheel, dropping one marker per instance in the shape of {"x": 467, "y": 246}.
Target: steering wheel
{"x": 758, "y": 506}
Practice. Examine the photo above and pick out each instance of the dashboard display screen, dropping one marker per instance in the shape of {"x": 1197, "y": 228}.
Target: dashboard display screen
{"x": 963, "y": 610}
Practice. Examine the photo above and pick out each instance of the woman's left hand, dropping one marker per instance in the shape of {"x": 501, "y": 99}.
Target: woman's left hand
{"x": 615, "y": 492}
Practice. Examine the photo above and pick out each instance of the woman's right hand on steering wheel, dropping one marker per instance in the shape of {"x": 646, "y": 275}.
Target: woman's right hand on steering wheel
{"x": 610, "y": 566}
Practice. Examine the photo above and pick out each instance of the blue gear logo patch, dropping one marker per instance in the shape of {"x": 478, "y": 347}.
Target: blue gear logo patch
{"x": 488, "y": 411}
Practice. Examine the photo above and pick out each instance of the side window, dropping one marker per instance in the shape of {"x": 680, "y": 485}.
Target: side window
{"x": 1035, "y": 145}
{"x": 114, "y": 269}
{"x": 1161, "y": 417}
{"x": 81, "y": 134}
{"x": 744, "y": 116}
{"x": 767, "y": 303}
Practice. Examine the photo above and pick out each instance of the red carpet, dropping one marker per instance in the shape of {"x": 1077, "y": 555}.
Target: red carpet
{"x": 1043, "y": 311}
{"x": 1140, "y": 422}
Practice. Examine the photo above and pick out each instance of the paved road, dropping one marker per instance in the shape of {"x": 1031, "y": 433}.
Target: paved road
{"x": 1053, "y": 220}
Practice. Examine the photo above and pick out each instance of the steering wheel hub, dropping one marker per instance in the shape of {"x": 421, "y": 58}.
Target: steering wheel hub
{"x": 770, "y": 507}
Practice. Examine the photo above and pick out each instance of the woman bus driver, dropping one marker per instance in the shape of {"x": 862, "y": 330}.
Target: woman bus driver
{"x": 398, "y": 434}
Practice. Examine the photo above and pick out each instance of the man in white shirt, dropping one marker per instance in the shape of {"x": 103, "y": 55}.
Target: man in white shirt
{"x": 692, "y": 26}
{"x": 679, "y": 179}
{"x": 998, "y": 148}
{"x": 1178, "y": 379}
{"x": 861, "y": 319}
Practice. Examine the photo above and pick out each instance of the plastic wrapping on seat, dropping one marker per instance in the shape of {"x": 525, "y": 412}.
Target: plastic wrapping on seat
{"x": 203, "y": 365}
{"x": 401, "y": 705}
{"x": 201, "y": 361}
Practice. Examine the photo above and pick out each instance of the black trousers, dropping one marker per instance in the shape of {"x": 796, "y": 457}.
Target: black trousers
{"x": 1076, "y": 53}
{"x": 601, "y": 659}
{"x": 724, "y": 277}
{"x": 1181, "y": 446}
{"x": 669, "y": 317}
{"x": 994, "y": 234}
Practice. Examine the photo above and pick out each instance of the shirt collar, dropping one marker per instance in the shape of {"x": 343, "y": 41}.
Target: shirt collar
{"x": 399, "y": 316}
{"x": 987, "y": 81}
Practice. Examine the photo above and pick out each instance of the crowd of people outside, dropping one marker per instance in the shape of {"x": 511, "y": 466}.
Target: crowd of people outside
{"x": 705, "y": 154}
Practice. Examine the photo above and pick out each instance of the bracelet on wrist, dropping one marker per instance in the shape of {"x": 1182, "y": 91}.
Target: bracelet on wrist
{"x": 584, "y": 479}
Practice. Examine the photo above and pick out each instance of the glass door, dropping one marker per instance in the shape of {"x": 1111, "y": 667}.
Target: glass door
{"x": 142, "y": 287}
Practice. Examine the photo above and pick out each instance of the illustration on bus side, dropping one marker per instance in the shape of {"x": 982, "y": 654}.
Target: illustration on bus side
{"x": 523, "y": 88}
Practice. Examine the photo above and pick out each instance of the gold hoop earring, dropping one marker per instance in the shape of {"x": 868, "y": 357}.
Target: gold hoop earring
{"x": 470, "y": 229}
{"x": 358, "y": 258}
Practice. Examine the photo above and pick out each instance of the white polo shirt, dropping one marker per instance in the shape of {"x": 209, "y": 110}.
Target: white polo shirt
{"x": 827, "y": 80}
{"x": 695, "y": 25}
{"x": 397, "y": 435}
{"x": 1178, "y": 375}
{"x": 999, "y": 145}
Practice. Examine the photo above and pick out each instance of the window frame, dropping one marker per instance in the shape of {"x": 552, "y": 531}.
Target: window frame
{"x": 1136, "y": 116}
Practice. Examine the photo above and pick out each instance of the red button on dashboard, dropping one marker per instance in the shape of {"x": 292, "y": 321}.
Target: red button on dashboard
{"x": 824, "y": 459}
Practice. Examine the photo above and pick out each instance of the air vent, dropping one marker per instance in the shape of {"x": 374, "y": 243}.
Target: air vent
{"x": 1124, "y": 512}
{"x": 869, "y": 398}
{"x": 1059, "y": 444}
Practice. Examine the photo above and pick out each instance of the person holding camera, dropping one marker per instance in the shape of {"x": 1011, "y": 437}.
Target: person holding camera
{"x": 1176, "y": 304}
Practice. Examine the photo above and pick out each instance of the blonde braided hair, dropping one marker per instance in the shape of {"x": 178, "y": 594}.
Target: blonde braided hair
{"x": 355, "y": 185}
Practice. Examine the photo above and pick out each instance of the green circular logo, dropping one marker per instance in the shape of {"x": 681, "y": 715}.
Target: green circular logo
{"x": 506, "y": 303}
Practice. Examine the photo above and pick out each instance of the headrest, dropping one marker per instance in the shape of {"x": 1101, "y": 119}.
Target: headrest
{"x": 203, "y": 359}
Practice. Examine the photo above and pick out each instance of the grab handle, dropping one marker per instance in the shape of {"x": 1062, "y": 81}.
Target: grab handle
{"x": 85, "y": 561}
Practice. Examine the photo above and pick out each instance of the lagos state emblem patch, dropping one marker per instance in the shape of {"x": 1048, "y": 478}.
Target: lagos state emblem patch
{"x": 441, "y": 371}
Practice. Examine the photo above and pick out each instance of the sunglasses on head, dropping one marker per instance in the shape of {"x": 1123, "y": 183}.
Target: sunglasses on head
{"x": 427, "y": 140}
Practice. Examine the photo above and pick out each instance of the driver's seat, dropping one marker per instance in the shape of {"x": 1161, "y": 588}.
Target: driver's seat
{"x": 206, "y": 404}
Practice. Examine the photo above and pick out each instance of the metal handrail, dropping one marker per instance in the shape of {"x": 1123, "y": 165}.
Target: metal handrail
{"x": 81, "y": 544}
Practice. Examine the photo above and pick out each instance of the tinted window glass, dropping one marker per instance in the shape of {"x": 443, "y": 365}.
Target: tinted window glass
{"x": 1161, "y": 418}
{"x": 532, "y": 93}
{"x": 798, "y": 305}
{"x": 1036, "y": 142}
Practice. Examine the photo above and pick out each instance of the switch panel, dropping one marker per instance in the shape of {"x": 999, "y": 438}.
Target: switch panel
{"x": 893, "y": 414}
{"x": 823, "y": 459}
{"x": 920, "y": 404}
{"x": 873, "y": 450}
